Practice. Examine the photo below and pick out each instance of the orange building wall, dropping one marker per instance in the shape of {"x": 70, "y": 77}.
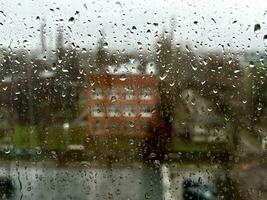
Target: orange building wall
{"x": 122, "y": 124}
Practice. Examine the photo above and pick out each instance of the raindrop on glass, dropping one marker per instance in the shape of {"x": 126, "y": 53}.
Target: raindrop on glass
{"x": 265, "y": 39}
{"x": 257, "y": 28}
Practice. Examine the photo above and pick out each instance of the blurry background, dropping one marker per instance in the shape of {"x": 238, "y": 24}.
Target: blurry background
{"x": 170, "y": 92}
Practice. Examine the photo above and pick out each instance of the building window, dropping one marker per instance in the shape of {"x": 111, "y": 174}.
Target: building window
{"x": 146, "y": 93}
{"x": 113, "y": 93}
{"x": 146, "y": 111}
{"x": 113, "y": 111}
{"x": 98, "y": 110}
{"x": 129, "y": 93}
{"x": 129, "y": 111}
{"x": 97, "y": 93}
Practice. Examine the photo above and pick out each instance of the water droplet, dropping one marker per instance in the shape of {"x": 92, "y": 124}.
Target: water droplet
{"x": 193, "y": 67}
{"x": 71, "y": 19}
{"x": 92, "y": 83}
{"x": 172, "y": 84}
{"x": 113, "y": 99}
{"x": 152, "y": 155}
{"x": 85, "y": 6}
{"x": 132, "y": 60}
{"x": 251, "y": 64}
{"x": 7, "y": 150}
{"x": 85, "y": 164}
{"x": 105, "y": 45}
{"x": 123, "y": 77}
{"x": 147, "y": 196}
{"x": 156, "y": 163}
{"x": 162, "y": 77}
{"x": 118, "y": 192}
{"x": 265, "y": 39}
{"x": 262, "y": 61}
{"x": 38, "y": 151}
{"x": 118, "y": 4}
{"x": 131, "y": 124}
{"x": 257, "y": 28}
{"x": 230, "y": 61}
{"x": 203, "y": 82}
{"x": 131, "y": 142}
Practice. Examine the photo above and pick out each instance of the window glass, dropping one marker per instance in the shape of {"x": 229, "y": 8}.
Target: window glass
{"x": 129, "y": 93}
{"x": 129, "y": 111}
{"x": 146, "y": 93}
{"x": 113, "y": 93}
{"x": 97, "y": 93}
{"x": 154, "y": 99}
{"x": 146, "y": 111}
{"x": 113, "y": 111}
{"x": 98, "y": 110}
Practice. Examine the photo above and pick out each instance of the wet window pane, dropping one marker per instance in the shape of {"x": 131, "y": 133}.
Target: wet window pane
{"x": 160, "y": 100}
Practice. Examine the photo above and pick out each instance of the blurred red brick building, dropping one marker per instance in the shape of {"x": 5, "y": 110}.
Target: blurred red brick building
{"x": 122, "y": 103}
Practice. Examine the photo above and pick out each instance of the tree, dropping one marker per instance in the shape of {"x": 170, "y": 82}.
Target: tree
{"x": 102, "y": 56}
{"x": 219, "y": 79}
{"x": 175, "y": 70}
{"x": 66, "y": 83}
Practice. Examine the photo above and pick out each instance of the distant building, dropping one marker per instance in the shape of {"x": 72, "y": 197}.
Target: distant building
{"x": 122, "y": 102}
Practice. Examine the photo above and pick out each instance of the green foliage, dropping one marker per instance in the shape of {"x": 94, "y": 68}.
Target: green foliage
{"x": 221, "y": 77}
{"x": 23, "y": 137}
{"x": 53, "y": 138}
{"x": 77, "y": 136}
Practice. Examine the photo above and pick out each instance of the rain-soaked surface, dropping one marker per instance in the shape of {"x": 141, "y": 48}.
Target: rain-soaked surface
{"x": 83, "y": 182}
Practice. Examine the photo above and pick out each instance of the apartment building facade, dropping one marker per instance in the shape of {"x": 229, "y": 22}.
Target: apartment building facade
{"x": 122, "y": 104}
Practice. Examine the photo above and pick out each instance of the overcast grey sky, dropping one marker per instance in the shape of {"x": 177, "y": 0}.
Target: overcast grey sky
{"x": 202, "y": 23}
